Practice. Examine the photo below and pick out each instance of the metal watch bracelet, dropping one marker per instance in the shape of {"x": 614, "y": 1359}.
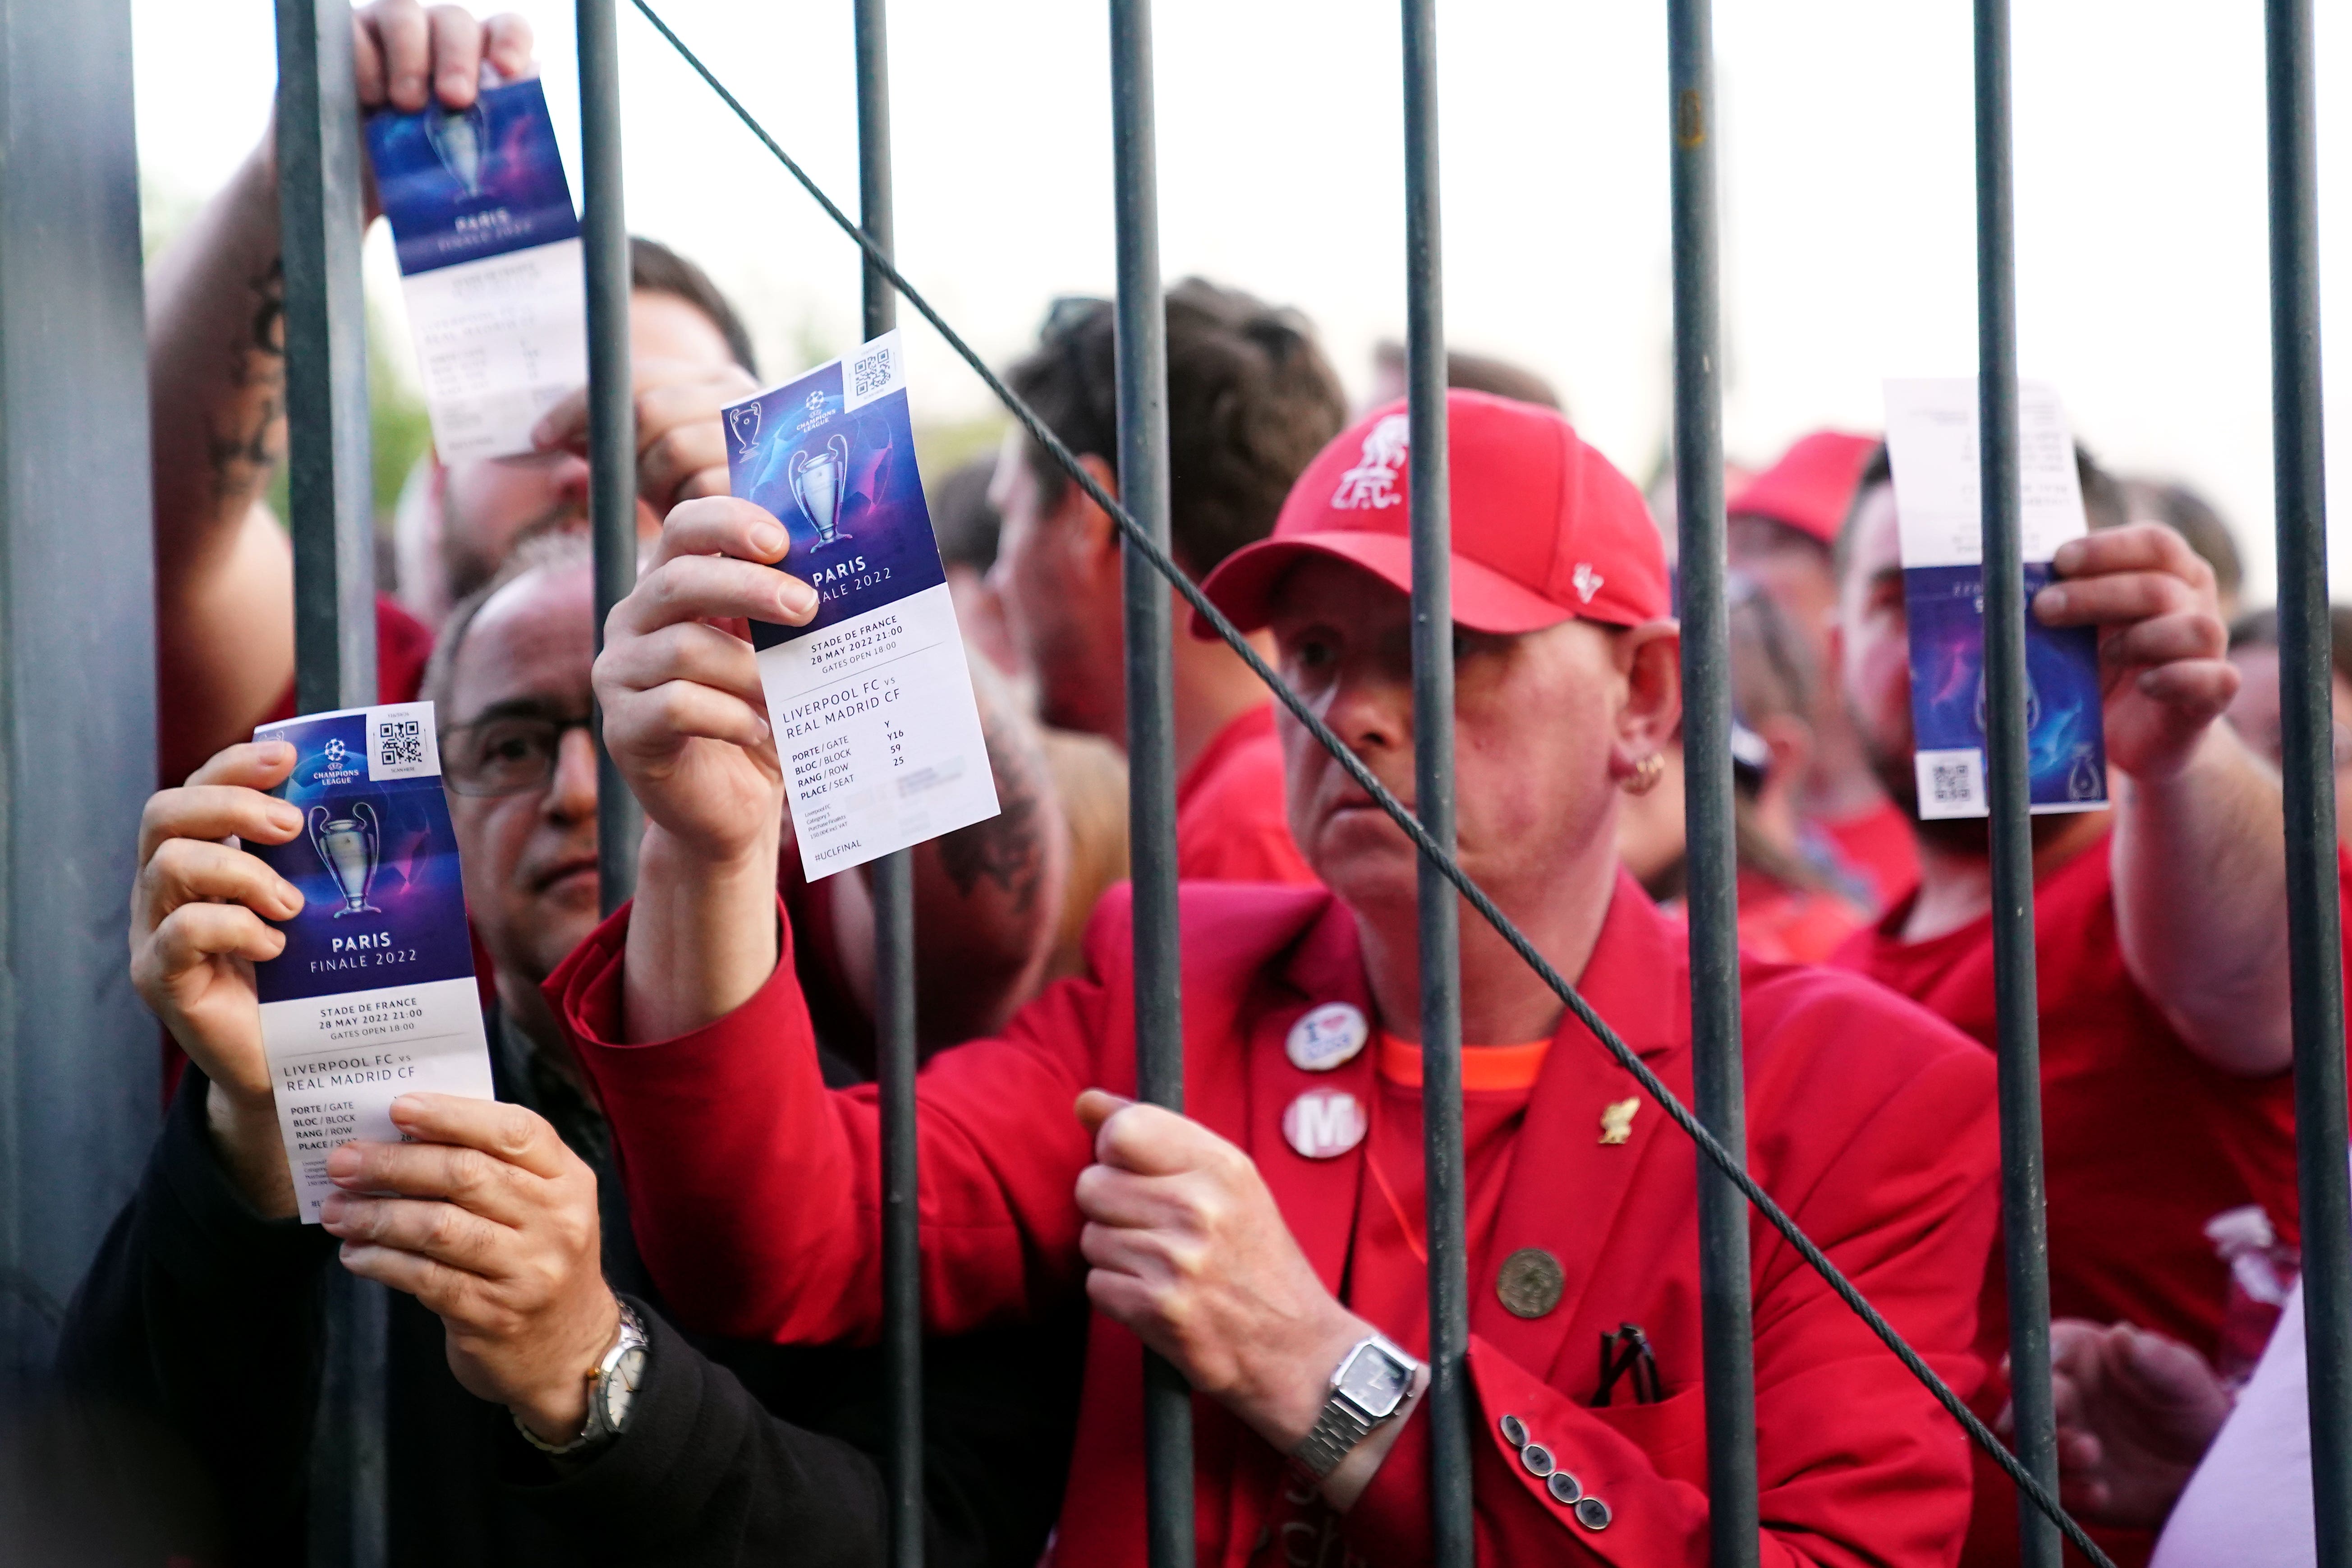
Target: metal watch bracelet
{"x": 597, "y": 1429}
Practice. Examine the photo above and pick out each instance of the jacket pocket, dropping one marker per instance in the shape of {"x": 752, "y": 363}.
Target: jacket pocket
{"x": 1673, "y": 1431}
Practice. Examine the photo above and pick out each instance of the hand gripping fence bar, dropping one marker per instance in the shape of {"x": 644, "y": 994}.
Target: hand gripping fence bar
{"x": 1732, "y": 1169}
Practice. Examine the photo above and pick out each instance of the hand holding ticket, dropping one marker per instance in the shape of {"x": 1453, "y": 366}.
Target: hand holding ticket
{"x": 871, "y": 700}
{"x": 1932, "y": 449}
{"x": 371, "y": 994}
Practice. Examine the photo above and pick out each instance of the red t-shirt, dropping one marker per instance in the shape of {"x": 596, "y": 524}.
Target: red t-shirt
{"x": 1781, "y": 924}
{"x": 404, "y": 645}
{"x": 1387, "y": 1280}
{"x": 1231, "y": 825}
{"x": 1877, "y": 848}
{"x": 2143, "y": 1142}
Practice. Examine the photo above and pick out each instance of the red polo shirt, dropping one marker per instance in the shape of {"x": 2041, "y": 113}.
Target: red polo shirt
{"x": 1231, "y": 825}
{"x": 2143, "y": 1142}
{"x": 1878, "y": 848}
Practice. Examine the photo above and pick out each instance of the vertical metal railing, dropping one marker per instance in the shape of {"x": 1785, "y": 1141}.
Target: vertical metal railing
{"x": 329, "y": 494}
{"x": 612, "y": 408}
{"x": 2315, "y": 931}
{"x": 2024, "y": 1223}
{"x": 894, "y": 917}
{"x": 1141, "y": 336}
{"x": 1718, "y": 1080}
{"x": 1451, "y": 1404}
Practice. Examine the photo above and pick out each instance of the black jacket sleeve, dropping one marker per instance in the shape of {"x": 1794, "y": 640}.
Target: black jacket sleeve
{"x": 204, "y": 1319}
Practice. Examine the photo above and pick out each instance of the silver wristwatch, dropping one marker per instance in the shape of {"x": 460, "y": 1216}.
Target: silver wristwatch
{"x": 612, "y": 1386}
{"x": 1369, "y": 1385}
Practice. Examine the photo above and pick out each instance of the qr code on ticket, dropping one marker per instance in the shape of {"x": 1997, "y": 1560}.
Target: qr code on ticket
{"x": 1951, "y": 783}
{"x": 870, "y": 375}
{"x": 399, "y": 743}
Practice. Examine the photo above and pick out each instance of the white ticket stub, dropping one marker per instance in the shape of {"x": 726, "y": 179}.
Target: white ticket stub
{"x": 872, "y": 701}
{"x": 490, "y": 264}
{"x": 374, "y": 994}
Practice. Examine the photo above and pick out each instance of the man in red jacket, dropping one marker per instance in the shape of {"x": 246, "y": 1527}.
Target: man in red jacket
{"x": 1272, "y": 1242}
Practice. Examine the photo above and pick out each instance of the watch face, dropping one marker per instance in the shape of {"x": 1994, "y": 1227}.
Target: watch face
{"x": 1375, "y": 1380}
{"x": 619, "y": 1386}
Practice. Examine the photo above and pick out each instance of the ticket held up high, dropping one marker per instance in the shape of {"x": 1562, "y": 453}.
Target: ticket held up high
{"x": 489, "y": 263}
{"x": 871, "y": 702}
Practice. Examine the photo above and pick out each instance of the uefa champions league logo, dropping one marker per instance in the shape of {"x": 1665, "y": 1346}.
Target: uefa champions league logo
{"x": 815, "y": 404}
{"x": 336, "y": 752}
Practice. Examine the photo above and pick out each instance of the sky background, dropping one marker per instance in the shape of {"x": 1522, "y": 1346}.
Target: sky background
{"x": 1846, "y": 178}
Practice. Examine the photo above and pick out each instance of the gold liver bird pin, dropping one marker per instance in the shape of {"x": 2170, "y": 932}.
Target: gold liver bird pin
{"x": 1617, "y": 1119}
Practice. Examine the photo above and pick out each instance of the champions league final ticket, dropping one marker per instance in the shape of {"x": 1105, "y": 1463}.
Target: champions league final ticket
{"x": 373, "y": 996}
{"x": 871, "y": 702}
{"x": 489, "y": 264}
{"x": 1931, "y": 445}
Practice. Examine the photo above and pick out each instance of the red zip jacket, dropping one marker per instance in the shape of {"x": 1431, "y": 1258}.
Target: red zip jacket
{"x": 755, "y": 1192}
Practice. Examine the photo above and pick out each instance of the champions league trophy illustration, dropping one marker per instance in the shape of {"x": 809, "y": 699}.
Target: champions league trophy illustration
{"x": 350, "y": 849}
{"x": 743, "y": 423}
{"x": 817, "y": 484}
{"x": 461, "y": 140}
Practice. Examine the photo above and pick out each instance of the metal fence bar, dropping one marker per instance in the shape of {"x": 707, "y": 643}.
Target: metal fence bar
{"x": 1430, "y": 849}
{"x": 893, "y": 883}
{"x": 2314, "y": 917}
{"x": 2024, "y": 1222}
{"x": 79, "y": 1074}
{"x": 1718, "y": 1090}
{"x": 1450, "y": 1406}
{"x": 1141, "y": 338}
{"x": 329, "y": 489}
{"x": 612, "y": 408}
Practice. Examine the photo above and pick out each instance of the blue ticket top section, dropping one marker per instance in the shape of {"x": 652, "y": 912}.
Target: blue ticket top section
{"x": 460, "y": 186}
{"x": 834, "y": 459}
{"x": 2064, "y": 725}
{"x": 376, "y": 859}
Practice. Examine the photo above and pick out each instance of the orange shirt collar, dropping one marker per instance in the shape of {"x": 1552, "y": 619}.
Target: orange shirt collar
{"x": 1484, "y": 1068}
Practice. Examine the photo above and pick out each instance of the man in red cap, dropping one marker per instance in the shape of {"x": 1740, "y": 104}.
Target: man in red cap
{"x": 1271, "y": 1243}
{"x": 1779, "y": 530}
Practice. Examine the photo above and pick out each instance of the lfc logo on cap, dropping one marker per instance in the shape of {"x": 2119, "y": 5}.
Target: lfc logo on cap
{"x": 1328, "y": 1037}
{"x": 1371, "y": 483}
{"x": 1588, "y": 581}
{"x": 1323, "y": 1123}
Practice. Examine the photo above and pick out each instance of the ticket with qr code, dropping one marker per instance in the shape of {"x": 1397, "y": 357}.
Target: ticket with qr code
{"x": 872, "y": 701}
{"x": 489, "y": 262}
{"x": 1931, "y": 446}
{"x": 374, "y": 994}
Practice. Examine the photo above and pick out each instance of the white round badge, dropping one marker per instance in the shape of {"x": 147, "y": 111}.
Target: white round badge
{"x": 1327, "y": 1037}
{"x": 1323, "y": 1123}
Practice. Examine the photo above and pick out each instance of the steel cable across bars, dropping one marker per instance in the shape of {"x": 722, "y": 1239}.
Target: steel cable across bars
{"x": 1623, "y": 1055}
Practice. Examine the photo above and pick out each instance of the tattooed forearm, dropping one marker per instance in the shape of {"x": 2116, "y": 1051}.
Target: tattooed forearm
{"x": 245, "y": 444}
{"x": 1009, "y": 848}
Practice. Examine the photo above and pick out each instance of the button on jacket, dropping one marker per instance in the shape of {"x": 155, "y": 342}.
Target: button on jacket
{"x": 754, "y": 1190}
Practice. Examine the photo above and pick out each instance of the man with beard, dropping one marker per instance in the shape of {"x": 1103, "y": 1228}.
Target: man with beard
{"x": 2160, "y": 944}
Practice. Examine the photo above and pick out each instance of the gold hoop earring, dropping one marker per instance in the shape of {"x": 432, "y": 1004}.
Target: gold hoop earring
{"x": 1645, "y": 775}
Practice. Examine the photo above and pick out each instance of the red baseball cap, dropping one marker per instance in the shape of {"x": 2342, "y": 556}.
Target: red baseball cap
{"x": 1811, "y": 487}
{"x": 1545, "y": 530}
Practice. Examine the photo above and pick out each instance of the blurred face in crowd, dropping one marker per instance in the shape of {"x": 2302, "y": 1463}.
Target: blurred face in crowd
{"x": 1874, "y": 645}
{"x": 2255, "y": 716}
{"x": 1532, "y": 799}
{"x": 1794, "y": 570}
{"x": 519, "y": 694}
{"x": 487, "y": 506}
{"x": 1057, "y": 579}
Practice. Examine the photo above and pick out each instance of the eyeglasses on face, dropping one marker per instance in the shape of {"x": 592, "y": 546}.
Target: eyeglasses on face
{"x": 507, "y": 754}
